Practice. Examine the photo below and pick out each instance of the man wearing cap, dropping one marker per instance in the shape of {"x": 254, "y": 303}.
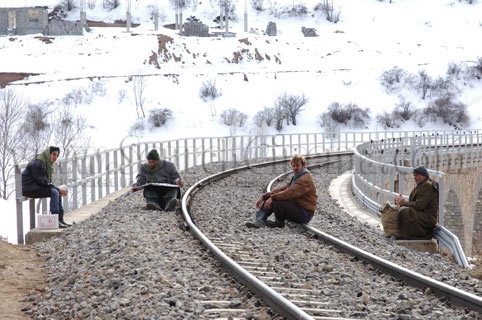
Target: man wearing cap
{"x": 159, "y": 171}
{"x": 37, "y": 182}
{"x": 418, "y": 216}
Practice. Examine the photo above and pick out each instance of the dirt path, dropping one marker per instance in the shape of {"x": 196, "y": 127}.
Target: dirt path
{"x": 21, "y": 272}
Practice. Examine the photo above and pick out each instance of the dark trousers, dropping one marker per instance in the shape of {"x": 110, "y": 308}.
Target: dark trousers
{"x": 52, "y": 193}
{"x": 289, "y": 210}
{"x": 284, "y": 210}
{"x": 161, "y": 195}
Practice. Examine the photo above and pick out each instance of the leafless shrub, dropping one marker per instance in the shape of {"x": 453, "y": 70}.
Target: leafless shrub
{"x": 328, "y": 123}
{"x": 137, "y": 128}
{"x": 455, "y": 70}
{"x": 424, "y": 83}
{"x": 257, "y": 5}
{"x": 233, "y": 118}
{"x": 388, "y": 120}
{"x": 264, "y": 117}
{"x": 349, "y": 115}
{"x": 327, "y": 9}
{"x": 74, "y": 97}
{"x": 111, "y": 4}
{"x": 450, "y": 112}
{"x": 444, "y": 87}
{"x": 159, "y": 117}
{"x": 404, "y": 110}
{"x": 393, "y": 79}
{"x": 477, "y": 67}
{"x": 208, "y": 93}
{"x": 91, "y": 4}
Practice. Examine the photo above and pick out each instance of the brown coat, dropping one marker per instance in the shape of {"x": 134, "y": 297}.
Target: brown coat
{"x": 303, "y": 191}
{"x": 419, "y": 215}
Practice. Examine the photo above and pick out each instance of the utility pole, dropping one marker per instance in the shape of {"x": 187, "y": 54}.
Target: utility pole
{"x": 178, "y": 15}
{"x": 245, "y": 15}
{"x": 128, "y": 16}
{"x": 83, "y": 15}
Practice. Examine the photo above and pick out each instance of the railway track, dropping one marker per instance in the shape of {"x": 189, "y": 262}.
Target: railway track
{"x": 263, "y": 262}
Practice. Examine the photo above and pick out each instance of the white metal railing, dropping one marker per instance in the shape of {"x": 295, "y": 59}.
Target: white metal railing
{"x": 96, "y": 173}
{"x": 383, "y": 169}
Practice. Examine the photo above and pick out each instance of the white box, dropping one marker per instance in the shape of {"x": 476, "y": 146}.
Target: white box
{"x": 48, "y": 221}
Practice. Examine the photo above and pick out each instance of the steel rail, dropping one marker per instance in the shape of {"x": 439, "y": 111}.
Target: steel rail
{"x": 272, "y": 298}
{"x": 440, "y": 289}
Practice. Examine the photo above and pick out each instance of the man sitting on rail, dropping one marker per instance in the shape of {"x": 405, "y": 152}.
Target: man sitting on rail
{"x": 296, "y": 201}
{"x": 418, "y": 216}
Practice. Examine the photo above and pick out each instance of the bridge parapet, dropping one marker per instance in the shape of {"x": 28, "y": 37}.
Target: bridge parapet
{"x": 383, "y": 169}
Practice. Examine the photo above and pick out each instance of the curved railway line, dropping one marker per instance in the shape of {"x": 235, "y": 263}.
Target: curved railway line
{"x": 259, "y": 265}
{"x": 130, "y": 263}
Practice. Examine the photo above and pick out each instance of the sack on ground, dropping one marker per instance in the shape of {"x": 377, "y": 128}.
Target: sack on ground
{"x": 390, "y": 221}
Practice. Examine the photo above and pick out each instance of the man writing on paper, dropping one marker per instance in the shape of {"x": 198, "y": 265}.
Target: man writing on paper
{"x": 157, "y": 171}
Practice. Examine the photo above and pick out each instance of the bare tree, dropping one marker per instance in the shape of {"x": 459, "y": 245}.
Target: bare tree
{"x": 425, "y": 83}
{"x": 208, "y": 93}
{"x": 36, "y": 129}
{"x": 292, "y": 106}
{"x": 138, "y": 87}
{"x": 11, "y": 110}
{"x": 69, "y": 131}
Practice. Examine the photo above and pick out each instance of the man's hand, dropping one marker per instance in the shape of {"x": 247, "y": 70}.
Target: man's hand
{"x": 399, "y": 200}
{"x": 134, "y": 187}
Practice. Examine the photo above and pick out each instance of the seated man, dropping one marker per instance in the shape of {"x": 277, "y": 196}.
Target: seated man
{"x": 159, "y": 171}
{"x": 418, "y": 216}
{"x": 296, "y": 201}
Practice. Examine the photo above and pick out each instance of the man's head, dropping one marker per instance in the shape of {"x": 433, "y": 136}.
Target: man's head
{"x": 298, "y": 163}
{"x": 420, "y": 174}
{"x": 153, "y": 158}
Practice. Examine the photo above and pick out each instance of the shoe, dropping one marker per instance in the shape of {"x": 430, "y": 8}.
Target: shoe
{"x": 63, "y": 225}
{"x": 171, "y": 205}
{"x": 151, "y": 205}
{"x": 275, "y": 224}
{"x": 255, "y": 225}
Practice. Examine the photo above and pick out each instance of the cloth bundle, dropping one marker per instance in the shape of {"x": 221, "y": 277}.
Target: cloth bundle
{"x": 390, "y": 214}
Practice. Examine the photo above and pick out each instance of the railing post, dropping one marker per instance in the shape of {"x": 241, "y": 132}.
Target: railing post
{"x": 18, "y": 200}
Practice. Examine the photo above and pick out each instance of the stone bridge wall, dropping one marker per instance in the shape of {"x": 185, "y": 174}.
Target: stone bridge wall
{"x": 462, "y": 192}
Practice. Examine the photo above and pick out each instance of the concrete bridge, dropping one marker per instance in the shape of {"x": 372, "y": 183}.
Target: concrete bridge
{"x": 454, "y": 160}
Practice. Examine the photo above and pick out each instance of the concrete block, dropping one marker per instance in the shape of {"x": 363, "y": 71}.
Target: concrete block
{"x": 430, "y": 246}
{"x": 38, "y": 235}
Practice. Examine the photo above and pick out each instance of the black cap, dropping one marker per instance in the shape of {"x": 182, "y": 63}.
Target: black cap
{"x": 153, "y": 155}
{"x": 421, "y": 171}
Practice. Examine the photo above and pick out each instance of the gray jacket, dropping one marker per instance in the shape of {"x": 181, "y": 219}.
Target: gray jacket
{"x": 164, "y": 172}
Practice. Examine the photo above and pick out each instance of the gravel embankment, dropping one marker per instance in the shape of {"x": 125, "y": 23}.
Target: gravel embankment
{"x": 129, "y": 263}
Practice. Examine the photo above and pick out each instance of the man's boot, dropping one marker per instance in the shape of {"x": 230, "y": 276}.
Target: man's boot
{"x": 153, "y": 204}
{"x": 259, "y": 221}
{"x": 62, "y": 223}
{"x": 275, "y": 224}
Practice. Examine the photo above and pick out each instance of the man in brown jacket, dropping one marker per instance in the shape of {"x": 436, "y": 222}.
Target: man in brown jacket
{"x": 418, "y": 216}
{"x": 296, "y": 201}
